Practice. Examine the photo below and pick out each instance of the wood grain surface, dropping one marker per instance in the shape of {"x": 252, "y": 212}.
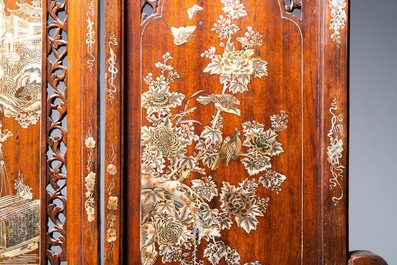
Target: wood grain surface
{"x": 306, "y": 70}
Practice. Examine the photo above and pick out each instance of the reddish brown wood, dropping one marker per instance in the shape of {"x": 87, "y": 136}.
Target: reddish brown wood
{"x": 362, "y": 257}
{"x": 71, "y": 89}
{"x": 75, "y": 186}
{"x": 334, "y": 82}
{"x": 131, "y": 249}
{"x": 303, "y": 225}
{"x": 114, "y": 107}
{"x": 88, "y": 94}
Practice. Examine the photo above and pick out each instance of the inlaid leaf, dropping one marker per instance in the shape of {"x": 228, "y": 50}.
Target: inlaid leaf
{"x": 209, "y": 159}
{"x": 167, "y": 207}
{"x": 153, "y": 195}
{"x": 214, "y": 252}
{"x": 215, "y": 66}
{"x": 248, "y": 222}
{"x": 260, "y": 67}
{"x": 211, "y": 135}
{"x": 188, "y": 162}
{"x": 185, "y": 216}
{"x": 237, "y": 87}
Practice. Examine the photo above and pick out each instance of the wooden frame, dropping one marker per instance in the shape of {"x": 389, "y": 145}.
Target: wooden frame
{"x": 70, "y": 112}
{"x": 70, "y": 107}
{"x": 324, "y": 29}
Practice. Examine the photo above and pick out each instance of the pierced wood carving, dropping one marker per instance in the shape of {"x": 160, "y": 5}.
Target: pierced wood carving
{"x": 56, "y": 114}
{"x": 293, "y": 7}
{"x": 148, "y": 8}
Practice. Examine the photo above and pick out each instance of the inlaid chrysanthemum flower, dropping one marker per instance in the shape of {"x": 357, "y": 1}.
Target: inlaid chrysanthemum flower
{"x": 264, "y": 142}
{"x": 235, "y": 201}
{"x": 169, "y": 233}
{"x": 166, "y": 141}
{"x": 159, "y": 98}
{"x": 237, "y": 62}
{"x": 241, "y": 204}
{"x": 165, "y": 138}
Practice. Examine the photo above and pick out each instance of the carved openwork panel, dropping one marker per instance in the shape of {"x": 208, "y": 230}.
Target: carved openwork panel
{"x": 149, "y": 8}
{"x": 56, "y": 130}
{"x": 293, "y": 7}
{"x": 222, "y": 145}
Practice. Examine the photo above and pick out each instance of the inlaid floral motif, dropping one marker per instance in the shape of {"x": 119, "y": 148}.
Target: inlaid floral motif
{"x": 335, "y": 150}
{"x": 90, "y": 182}
{"x": 112, "y": 67}
{"x": 185, "y": 201}
{"x": 90, "y": 36}
{"x": 111, "y": 205}
{"x": 338, "y": 18}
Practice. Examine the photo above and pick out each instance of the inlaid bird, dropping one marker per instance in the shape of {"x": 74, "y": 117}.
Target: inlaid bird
{"x": 224, "y": 102}
{"x": 231, "y": 149}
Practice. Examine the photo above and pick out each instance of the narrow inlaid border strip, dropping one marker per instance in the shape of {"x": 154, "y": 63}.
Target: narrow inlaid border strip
{"x": 335, "y": 151}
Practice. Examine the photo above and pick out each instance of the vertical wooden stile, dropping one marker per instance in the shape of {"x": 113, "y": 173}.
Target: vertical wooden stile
{"x": 335, "y": 120}
{"x": 113, "y": 114}
{"x": 90, "y": 143}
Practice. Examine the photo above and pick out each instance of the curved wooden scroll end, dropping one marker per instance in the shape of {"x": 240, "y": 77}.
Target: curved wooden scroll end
{"x": 363, "y": 257}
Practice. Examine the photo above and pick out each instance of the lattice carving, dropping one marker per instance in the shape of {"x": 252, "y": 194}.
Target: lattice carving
{"x": 148, "y": 8}
{"x": 56, "y": 141}
{"x": 293, "y": 7}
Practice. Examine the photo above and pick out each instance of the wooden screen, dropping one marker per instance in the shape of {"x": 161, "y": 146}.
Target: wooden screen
{"x": 236, "y": 145}
{"x": 223, "y": 126}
